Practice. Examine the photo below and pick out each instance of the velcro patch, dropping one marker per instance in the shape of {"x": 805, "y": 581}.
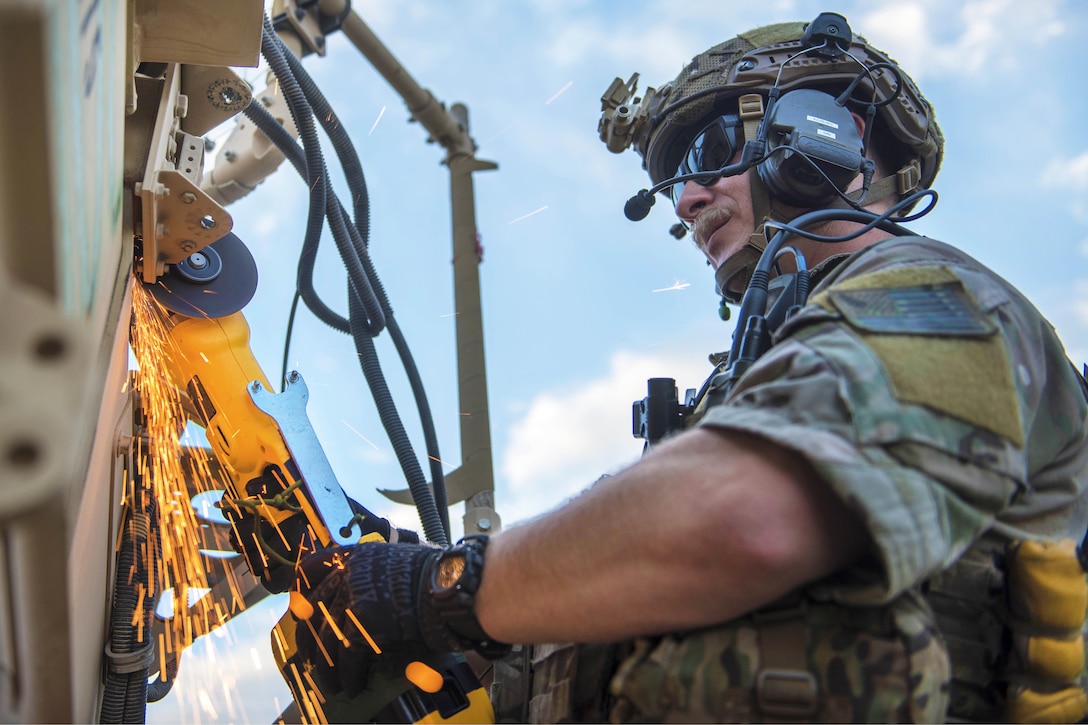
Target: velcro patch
{"x": 937, "y": 347}
{"x": 924, "y": 309}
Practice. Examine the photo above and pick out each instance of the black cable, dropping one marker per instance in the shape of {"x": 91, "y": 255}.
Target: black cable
{"x": 160, "y": 687}
{"x": 361, "y": 322}
{"x": 847, "y": 95}
{"x": 430, "y": 437}
{"x": 302, "y": 116}
{"x": 124, "y": 697}
{"x": 887, "y": 221}
{"x": 287, "y": 340}
{"x": 417, "y": 484}
{"x": 352, "y": 251}
{"x": 750, "y": 322}
{"x": 352, "y": 246}
{"x": 304, "y": 283}
{"x": 370, "y": 285}
{"x": 341, "y": 142}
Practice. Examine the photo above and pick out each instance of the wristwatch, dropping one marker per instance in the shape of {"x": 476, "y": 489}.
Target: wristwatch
{"x": 454, "y": 581}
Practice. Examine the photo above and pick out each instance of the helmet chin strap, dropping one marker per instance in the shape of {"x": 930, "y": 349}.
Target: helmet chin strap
{"x": 732, "y": 277}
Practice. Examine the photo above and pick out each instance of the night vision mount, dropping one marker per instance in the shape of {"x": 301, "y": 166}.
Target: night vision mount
{"x": 623, "y": 113}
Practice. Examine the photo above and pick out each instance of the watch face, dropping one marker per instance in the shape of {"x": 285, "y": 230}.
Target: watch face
{"x": 449, "y": 571}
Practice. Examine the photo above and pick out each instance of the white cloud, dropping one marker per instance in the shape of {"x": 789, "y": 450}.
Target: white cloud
{"x": 935, "y": 38}
{"x": 569, "y": 437}
{"x": 1068, "y": 173}
{"x": 657, "y": 51}
{"x": 1078, "y": 209}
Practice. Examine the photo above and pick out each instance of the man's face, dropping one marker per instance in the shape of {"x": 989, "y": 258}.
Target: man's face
{"x": 720, "y": 215}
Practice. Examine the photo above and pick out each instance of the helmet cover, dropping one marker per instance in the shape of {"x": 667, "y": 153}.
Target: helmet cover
{"x": 754, "y": 62}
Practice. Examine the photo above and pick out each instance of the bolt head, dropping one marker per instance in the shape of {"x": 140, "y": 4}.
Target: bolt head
{"x": 484, "y": 524}
{"x": 188, "y": 197}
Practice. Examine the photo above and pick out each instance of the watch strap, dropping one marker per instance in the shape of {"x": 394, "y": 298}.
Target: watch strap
{"x": 448, "y": 618}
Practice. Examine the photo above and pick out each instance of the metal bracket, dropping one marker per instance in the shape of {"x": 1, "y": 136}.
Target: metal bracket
{"x": 623, "y": 113}
{"x": 177, "y": 217}
{"x": 215, "y": 95}
{"x": 288, "y": 409}
{"x": 306, "y": 25}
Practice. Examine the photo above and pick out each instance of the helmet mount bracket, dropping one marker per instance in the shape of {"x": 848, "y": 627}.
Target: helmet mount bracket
{"x": 831, "y": 33}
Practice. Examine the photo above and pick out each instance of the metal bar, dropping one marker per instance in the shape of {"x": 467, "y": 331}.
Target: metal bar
{"x": 474, "y": 482}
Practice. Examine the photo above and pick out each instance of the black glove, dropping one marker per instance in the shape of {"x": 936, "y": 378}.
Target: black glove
{"x": 383, "y": 589}
{"x": 273, "y": 561}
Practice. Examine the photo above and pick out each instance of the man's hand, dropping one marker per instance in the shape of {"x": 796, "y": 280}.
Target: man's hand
{"x": 360, "y": 609}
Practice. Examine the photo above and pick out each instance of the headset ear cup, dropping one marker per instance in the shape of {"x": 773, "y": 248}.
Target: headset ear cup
{"x": 814, "y": 150}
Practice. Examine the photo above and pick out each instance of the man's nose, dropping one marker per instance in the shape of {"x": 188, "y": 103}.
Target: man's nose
{"x": 693, "y": 197}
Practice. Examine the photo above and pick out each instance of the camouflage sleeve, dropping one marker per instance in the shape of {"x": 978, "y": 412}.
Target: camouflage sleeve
{"x": 935, "y": 439}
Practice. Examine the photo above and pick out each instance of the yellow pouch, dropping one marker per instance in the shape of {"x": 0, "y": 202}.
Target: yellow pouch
{"x": 1046, "y": 583}
{"x": 1056, "y": 659}
{"x": 1048, "y": 596}
{"x": 1030, "y": 706}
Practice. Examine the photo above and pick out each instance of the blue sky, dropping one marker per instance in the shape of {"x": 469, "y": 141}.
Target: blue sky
{"x": 576, "y": 310}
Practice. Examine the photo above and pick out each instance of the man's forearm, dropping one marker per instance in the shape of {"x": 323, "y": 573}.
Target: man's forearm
{"x": 705, "y": 528}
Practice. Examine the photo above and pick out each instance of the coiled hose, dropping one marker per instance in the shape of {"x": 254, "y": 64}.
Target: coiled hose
{"x": 369, "y": 308}
{"x": 360, "y": 235}
{"x": 130, "y": 652}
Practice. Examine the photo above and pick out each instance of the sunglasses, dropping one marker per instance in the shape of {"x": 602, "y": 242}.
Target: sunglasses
{"x": 712, "y": 148}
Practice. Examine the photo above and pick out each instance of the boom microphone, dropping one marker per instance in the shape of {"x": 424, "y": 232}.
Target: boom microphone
{"x": 638, "y": 206}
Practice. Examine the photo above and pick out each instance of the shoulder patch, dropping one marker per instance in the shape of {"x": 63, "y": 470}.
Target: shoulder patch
{"x": 925, "y": 309}
{"x": 937, "y": 347}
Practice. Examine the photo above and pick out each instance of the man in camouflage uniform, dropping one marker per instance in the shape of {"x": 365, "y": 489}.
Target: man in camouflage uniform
{"x": 876, "y": 521}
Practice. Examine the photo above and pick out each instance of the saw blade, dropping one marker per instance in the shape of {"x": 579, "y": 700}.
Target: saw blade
{"x": 215, "y": 282}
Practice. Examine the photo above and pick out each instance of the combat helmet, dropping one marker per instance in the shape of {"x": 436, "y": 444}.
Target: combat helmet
{"x": 739, "y": 75}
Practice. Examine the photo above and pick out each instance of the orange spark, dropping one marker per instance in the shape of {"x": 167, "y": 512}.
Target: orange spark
{"x": 314, "y": 687}
{"x": 332, "y": 623}
{"x": 320, "y": 644}
{"x": 355, "y": 620}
